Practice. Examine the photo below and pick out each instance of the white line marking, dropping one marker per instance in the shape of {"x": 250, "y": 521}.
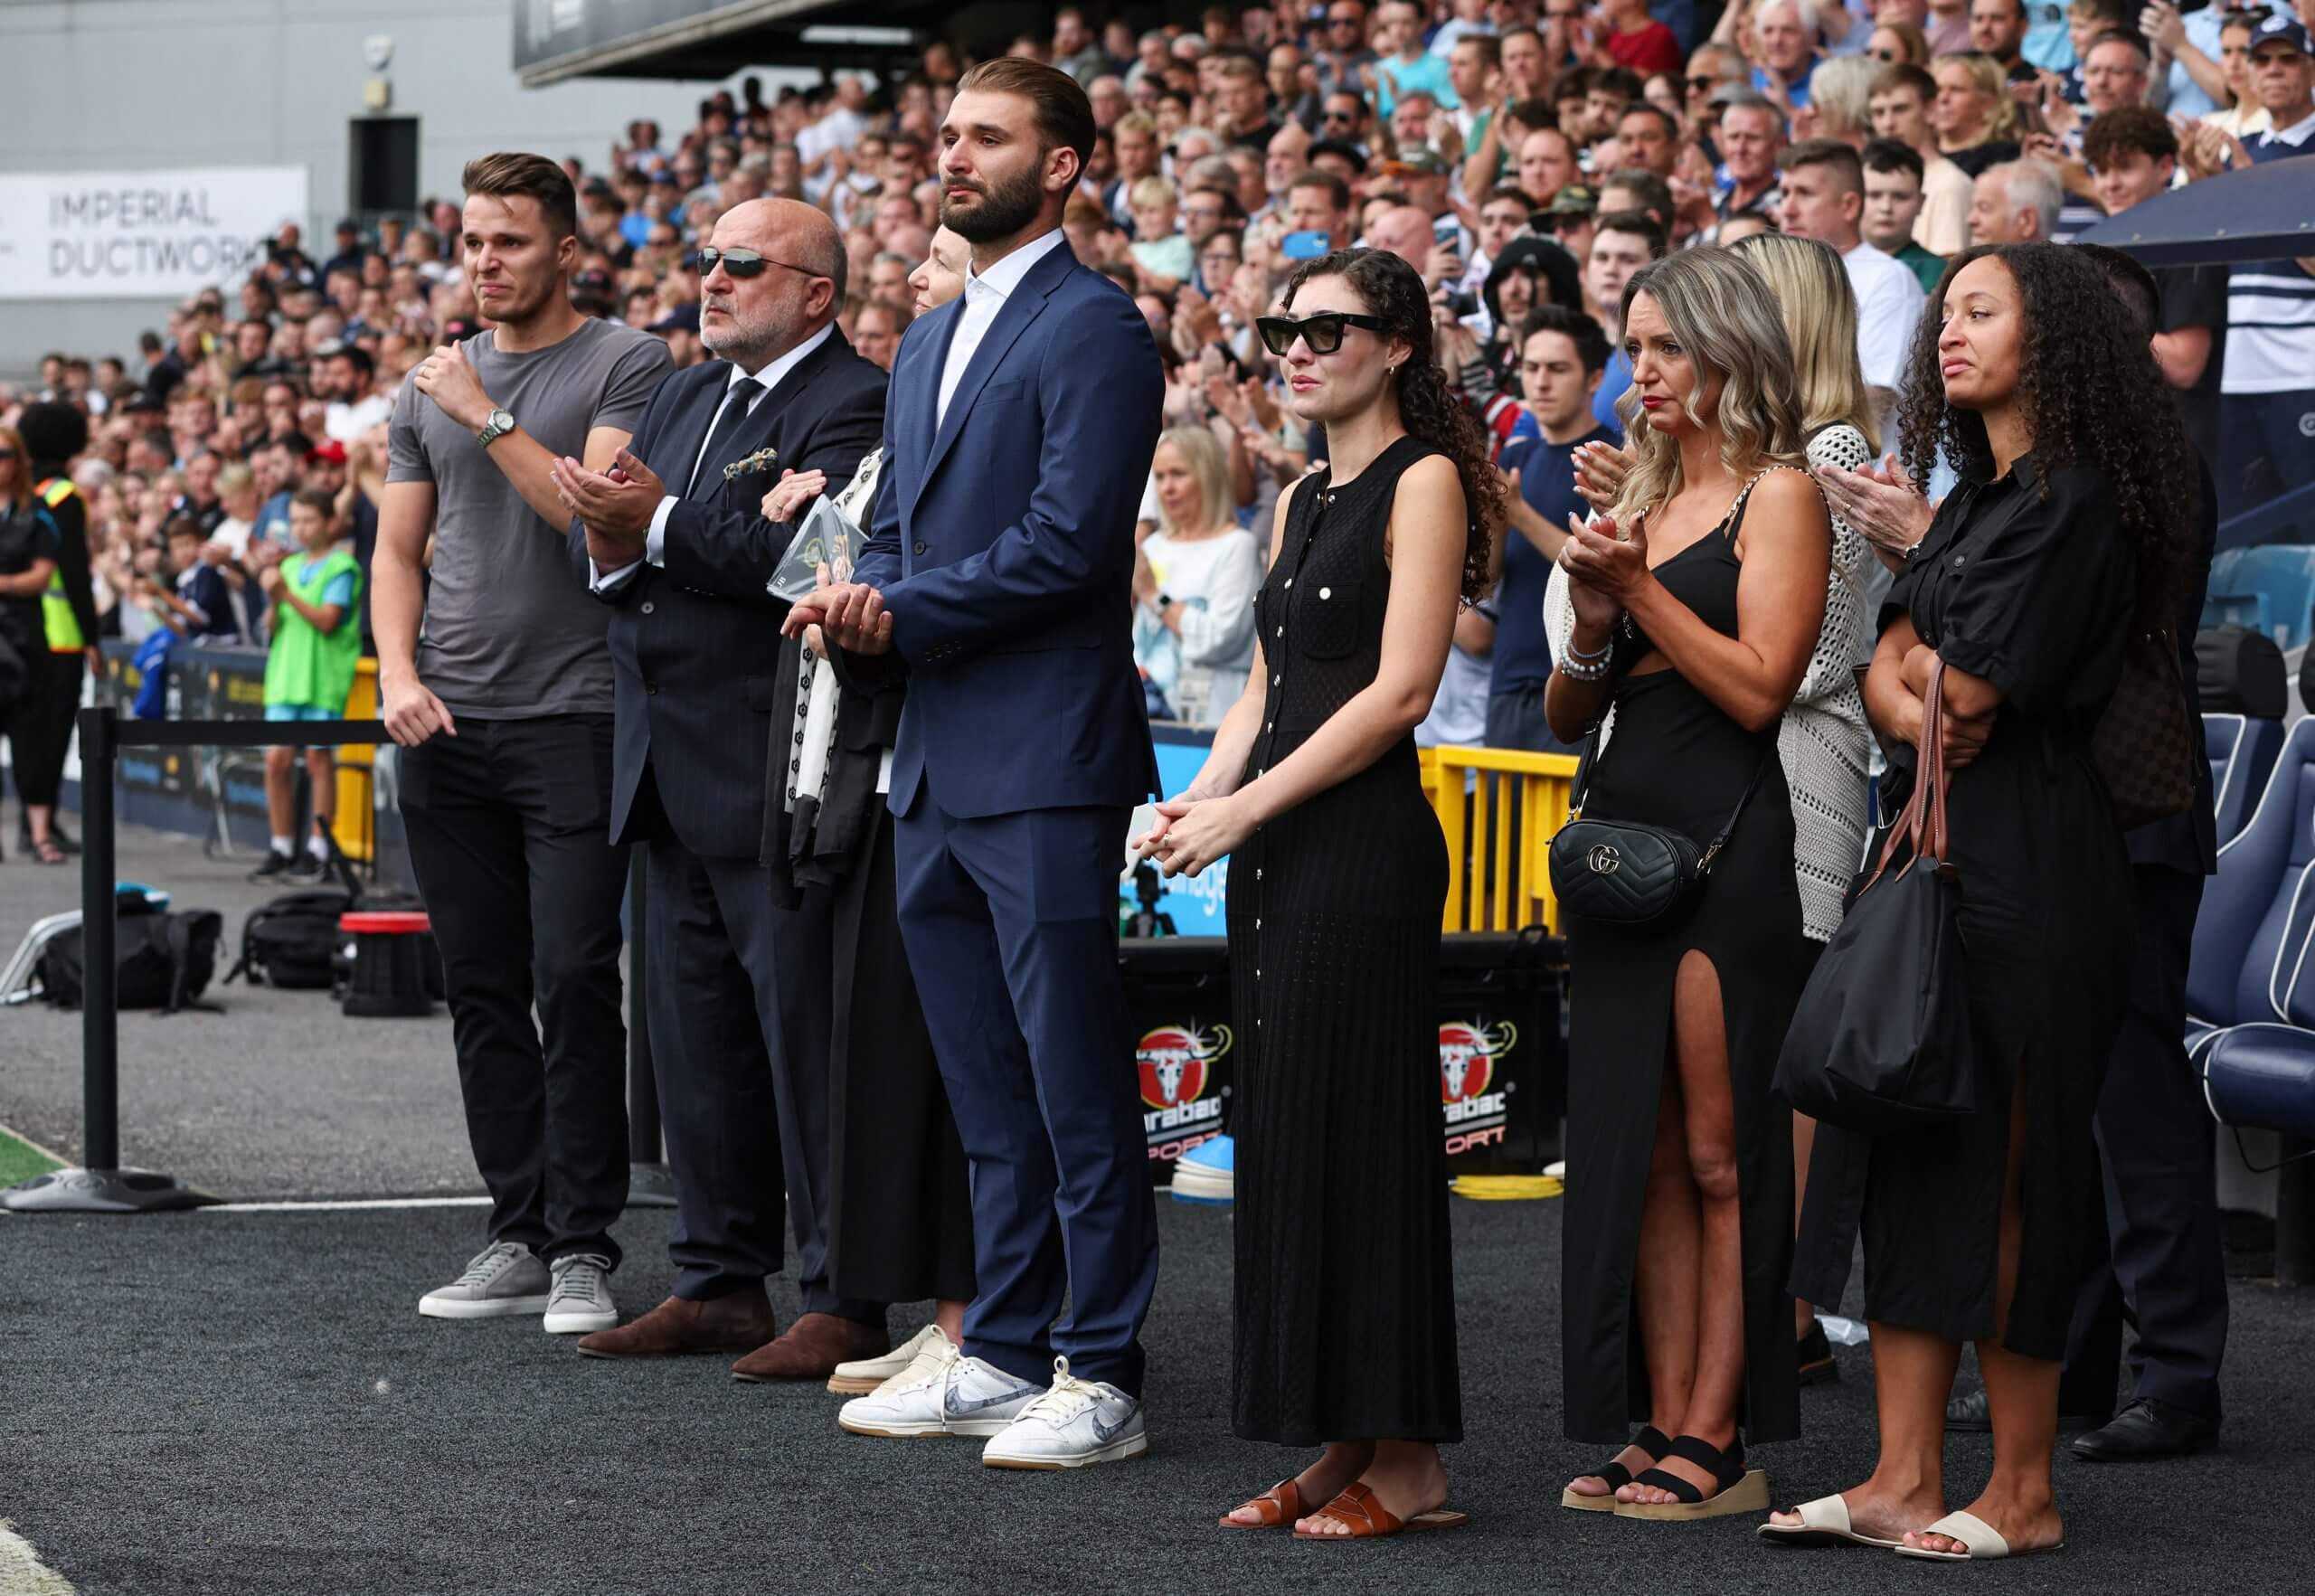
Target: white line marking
{"x": 328, "y": 1208}
{"x": 21, "y": 1572}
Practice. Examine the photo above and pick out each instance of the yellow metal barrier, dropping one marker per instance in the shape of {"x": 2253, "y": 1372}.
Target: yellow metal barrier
{"x": 1498, "y": 809}
{"x": 354, "y": 820}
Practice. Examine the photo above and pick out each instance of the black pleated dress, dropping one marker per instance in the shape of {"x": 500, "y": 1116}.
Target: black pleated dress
{"x": 1345, "y": 1292}
{"x": 1676, "y": 760}
{"x": 2034, "y": 593}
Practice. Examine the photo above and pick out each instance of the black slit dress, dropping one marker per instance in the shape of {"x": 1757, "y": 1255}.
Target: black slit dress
{"x": 1676, "y": 760}
{"x": 2034, "y": 593}
{"x": 1344, "y": 1288}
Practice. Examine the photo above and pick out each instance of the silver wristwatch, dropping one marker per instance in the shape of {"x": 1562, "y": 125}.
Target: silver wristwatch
{"x": 501, "y": 422}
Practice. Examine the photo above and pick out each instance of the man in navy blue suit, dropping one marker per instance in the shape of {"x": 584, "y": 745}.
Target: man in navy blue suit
{"x": 741, "y": 989}
{"x": 999, "y": 577}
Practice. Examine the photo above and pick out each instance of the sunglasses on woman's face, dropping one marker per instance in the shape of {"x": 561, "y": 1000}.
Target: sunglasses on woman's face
{"x": 1322, "y": 332}
{"x": 1885, "y": 55}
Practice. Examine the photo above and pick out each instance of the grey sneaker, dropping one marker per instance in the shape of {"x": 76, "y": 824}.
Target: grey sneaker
{"x": 582, "y": 1298}
{"x": 502, "y": 1279}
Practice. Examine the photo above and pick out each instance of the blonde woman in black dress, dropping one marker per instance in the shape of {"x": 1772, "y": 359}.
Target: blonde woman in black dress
{"x": 1344, "y": 1303}
{"x": 1698, "y": 600}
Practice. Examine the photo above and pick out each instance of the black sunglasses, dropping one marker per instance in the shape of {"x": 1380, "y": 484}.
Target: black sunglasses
{"x": 1706, "y": 82}
{"x": 739, "y": 263}
{"x": 1322, "y": 332}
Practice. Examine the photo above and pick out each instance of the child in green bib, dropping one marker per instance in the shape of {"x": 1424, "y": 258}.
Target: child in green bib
{"x": 308, "y": 672}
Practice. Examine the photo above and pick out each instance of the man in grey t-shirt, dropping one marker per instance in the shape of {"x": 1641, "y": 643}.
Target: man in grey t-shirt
{"x": 503, "y": 709}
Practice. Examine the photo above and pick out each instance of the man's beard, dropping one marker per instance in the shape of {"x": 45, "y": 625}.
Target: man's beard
{"x": 1002, "y": 211}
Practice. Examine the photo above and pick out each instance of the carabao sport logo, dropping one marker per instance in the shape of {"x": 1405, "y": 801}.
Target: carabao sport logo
{"x": 1475, "y": 1113}
{"x": 1176, "y": 1065}
{"x": 1174, "y": 1059}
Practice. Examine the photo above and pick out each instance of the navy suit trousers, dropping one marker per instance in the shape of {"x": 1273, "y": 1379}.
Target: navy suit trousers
{"x": 1011, "y": 925}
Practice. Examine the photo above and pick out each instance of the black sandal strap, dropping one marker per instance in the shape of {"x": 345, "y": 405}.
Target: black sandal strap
{"x": 1651, "y": 1441}
{"x": 1663, "y": 1480}
{"x": 1725, "y": 1467}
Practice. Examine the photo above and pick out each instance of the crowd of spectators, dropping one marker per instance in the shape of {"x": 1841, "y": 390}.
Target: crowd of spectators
{"x": 1525, "y": 156}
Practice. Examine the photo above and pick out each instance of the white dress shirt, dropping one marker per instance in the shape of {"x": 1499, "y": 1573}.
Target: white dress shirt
{"x": 1888, "y": 304}
{"x": 654, "y": 541}
{"x": 984, "y": 294}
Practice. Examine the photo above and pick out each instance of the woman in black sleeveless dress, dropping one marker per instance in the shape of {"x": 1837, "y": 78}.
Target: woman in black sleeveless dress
{"x": 1344, "y": 1290}
{"x": 1698, "y": 629}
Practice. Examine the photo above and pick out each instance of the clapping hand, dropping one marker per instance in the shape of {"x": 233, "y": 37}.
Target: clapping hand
{"x": 1604, "y": 558}
{"x": 1881, "y": 507}
{"x": 1600, "y": 472}
{"x": 615, "y": 505}
{"x": 787, "y": 497}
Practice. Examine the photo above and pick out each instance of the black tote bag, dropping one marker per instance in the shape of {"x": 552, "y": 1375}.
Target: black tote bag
{"x": 1880, "y": 1042}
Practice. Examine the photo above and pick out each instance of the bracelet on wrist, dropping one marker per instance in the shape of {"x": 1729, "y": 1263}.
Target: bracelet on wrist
{"x": 1602, "y": 652}
{"x": 1577, "y": 670}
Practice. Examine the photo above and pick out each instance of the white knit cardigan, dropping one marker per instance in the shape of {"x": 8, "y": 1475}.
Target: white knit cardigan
{"x": 1823, "y": 741}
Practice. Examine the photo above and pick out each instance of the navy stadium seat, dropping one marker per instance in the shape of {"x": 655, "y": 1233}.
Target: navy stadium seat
{"x": 2259, "y": 901}
{"x": 2241, "y": 752}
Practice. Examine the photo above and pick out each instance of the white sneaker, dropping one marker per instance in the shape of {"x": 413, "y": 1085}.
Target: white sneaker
{"x": 1075, "y": 1423}
{"x": 943, "y": 1392}
{"x": 502, "y": 1279}
{"x": 866, "y": 1374}
{"x": 582, "y": 1298}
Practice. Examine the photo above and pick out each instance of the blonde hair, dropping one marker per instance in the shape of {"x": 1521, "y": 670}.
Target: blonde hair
{"x": 1202, "y": 452}
{"x": 1811, "y": 287}
{"x": 1151, "y": 192}
{"x": 2001, "y": 121}
{"x": 1841, "y": 90}
{"x": 1720, "y": 311}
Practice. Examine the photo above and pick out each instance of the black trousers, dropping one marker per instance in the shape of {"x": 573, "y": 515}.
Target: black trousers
{"x": 2167, "y": 1269}
{"x": 742, "y": 1010}
{"x": 39, "y": 723}
{"x": 508, "y": 827}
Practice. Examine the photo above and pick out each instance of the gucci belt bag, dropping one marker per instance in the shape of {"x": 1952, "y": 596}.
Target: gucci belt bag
{"x": 1630, "y": 874}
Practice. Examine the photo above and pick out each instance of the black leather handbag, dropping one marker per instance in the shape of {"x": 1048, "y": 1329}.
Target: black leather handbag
{"x": 1629, "y": 874}
{"x": 1880, "y": 1042}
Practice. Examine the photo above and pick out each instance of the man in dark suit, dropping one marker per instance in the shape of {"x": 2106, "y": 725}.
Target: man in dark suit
{"x": 674, "y": 538}
{"x": 999, "y": 577}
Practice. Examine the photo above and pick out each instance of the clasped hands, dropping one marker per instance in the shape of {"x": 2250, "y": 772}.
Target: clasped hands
{"x": 1965, "y": 735}
{"x": 615, "y": 505}
{"x": 1193, "y": 830}
{"x": 1606, "y": 567}
{"x": 850, "y": 615}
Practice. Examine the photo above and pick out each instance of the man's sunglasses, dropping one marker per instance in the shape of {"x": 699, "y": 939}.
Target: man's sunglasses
{"x": 739, "y": 263}
{"x": 1699, "y": 85}
{"x": 1322, "y": 332}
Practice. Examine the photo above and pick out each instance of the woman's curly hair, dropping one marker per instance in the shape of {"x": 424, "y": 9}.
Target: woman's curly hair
{"x": 2091, "y": 396}
{"x": 1393, "y": 291}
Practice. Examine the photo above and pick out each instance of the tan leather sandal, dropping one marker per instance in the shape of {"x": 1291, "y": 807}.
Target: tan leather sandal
{"x": 1280, "y": 1505}
{"x": 1367, "y": 1519}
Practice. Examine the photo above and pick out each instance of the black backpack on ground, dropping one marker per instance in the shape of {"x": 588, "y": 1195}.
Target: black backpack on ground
{"x": 160, "y": 960}
{"x": 2240, "y": 672}
{"x": 291, "y": 942}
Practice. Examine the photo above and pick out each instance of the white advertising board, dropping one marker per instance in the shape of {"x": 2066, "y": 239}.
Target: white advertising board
{"x": 140, "y": 235}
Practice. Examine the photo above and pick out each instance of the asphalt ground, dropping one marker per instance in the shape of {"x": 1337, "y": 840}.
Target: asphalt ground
{"x": 247, "y": 1403}
{"x": 250, "y": 1403}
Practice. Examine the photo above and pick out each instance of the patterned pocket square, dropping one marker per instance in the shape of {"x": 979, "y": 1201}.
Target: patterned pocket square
{"x": 761, "y": 460}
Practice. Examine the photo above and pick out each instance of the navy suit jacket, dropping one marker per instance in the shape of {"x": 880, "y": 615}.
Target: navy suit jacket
{"x": 695, "y": 642}
{"x": 1003, "y": 544}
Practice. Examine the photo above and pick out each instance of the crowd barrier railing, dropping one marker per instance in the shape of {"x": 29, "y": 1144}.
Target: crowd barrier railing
{"x": 1498, "y": 809}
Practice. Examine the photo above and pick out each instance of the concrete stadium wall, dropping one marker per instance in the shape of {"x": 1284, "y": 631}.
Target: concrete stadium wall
{"x": 136, "y": 84}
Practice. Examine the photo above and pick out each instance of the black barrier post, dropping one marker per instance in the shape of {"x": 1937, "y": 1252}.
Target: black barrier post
{"x": 649, "y": 1182}
{"x": 101, "y": 1185}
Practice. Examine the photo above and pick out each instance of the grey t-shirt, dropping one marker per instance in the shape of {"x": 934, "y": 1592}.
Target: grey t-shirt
{"x": 510, "y": 631}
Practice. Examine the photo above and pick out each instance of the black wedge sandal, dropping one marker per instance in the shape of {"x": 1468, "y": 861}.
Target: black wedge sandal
{"x": 1735, "y": 1488}
{"x": 1650, "y": 1440}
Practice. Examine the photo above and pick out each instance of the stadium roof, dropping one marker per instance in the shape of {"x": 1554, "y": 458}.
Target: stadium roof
{"x": 711, "y": 40}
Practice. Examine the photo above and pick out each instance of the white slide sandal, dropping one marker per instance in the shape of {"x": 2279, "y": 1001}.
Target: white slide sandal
{"x": 1823, "y": 1523}
{"x": 1984, "y": 1542}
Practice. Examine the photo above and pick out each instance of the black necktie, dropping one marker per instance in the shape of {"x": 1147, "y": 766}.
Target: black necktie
{"x": 745, "y": 394}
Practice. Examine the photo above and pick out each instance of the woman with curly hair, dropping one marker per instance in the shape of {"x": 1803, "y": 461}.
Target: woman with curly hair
{"x": 1345, "y": 1299}
{"x": 1698, "y": 599}
{"x": 2067, "y": 533}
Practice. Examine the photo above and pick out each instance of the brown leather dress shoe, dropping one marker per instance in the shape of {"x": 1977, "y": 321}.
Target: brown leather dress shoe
{"x": 731, "y": 1323}
{"x": 813, "y": 1346}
